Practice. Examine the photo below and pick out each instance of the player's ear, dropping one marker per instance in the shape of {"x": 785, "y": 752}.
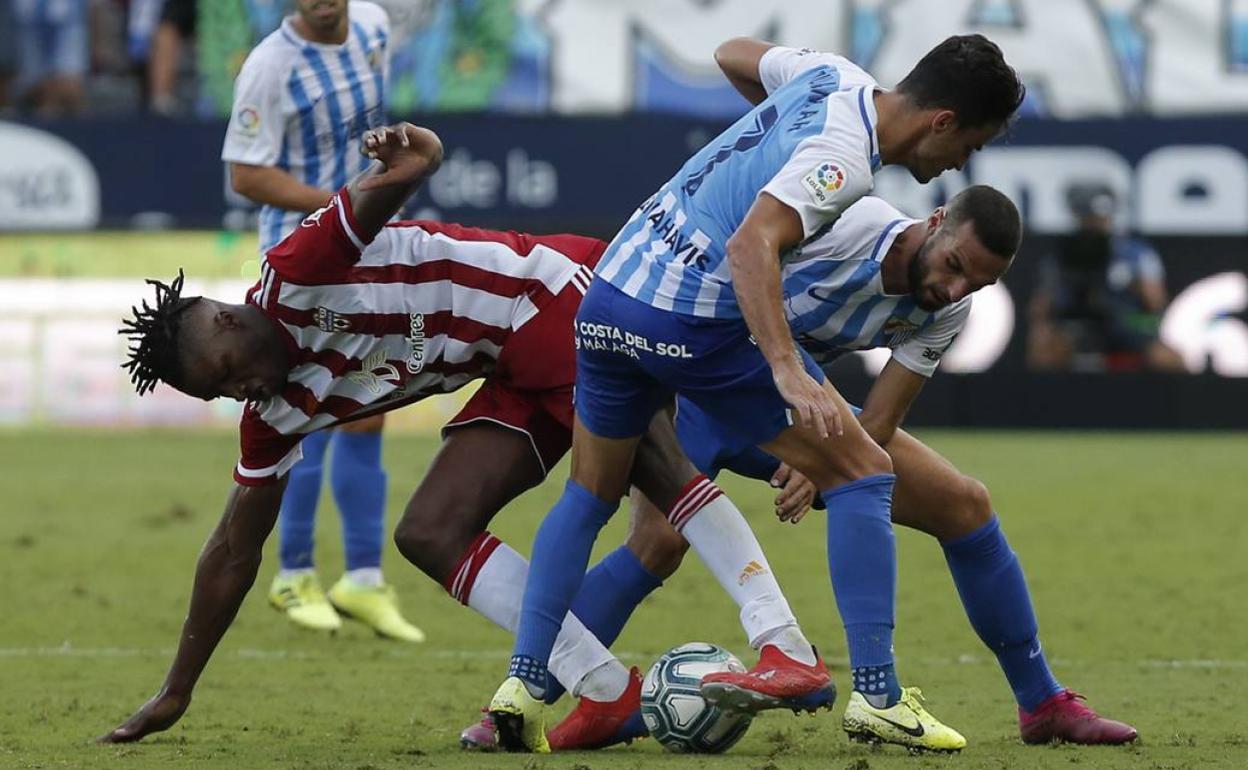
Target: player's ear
{"x": 944, "y": 121}
{"x": 226, "y": 320}
{"x": 935, "y": 219}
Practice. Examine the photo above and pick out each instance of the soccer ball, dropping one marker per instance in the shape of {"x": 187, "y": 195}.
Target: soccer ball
{"x": 673, "y": 708}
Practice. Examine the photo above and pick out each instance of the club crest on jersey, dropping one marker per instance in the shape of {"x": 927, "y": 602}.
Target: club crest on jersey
{"x": 823, "y": 180}
{"x": 898, "y": 330}
{"x": 416, "y": 336}
{"x": 329, "y": 321}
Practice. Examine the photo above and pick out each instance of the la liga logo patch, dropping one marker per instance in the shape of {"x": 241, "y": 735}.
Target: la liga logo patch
{"x": 824, "y": 180}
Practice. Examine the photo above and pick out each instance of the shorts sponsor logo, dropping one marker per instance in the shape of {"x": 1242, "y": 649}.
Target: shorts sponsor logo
{"x": 612, "y": 339}
{"x": 824, "y": 180}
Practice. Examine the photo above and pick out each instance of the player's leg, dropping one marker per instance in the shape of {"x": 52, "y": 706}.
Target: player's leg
{"x": 443, "y": 532}
{"x": 615, "y": 400}
{"x": 789, "y": 673}
{"x": 855, "y": 479}
{"x": 359, "y": 486}
{"x": 296, "y": 590}
{"x": 934, "y": 497}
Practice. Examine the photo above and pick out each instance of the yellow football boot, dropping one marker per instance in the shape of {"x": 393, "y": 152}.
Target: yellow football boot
{"x": 905, "y": 723}
{"x": 376, "y": 607}
{"x": 301, "y": 599}
{"x": 519, "y": 718}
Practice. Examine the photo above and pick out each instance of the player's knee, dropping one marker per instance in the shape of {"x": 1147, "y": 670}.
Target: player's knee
{"x": 660, "y": 551}
{"x": 973, "y": 509}
{"x": 430, "y": 545}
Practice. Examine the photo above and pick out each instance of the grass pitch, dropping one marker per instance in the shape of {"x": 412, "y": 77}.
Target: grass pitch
{"x": 1134, "y": 546}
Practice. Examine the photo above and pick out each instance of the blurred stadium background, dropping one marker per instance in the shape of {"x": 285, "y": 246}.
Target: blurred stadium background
{"x": 563, "y": 116}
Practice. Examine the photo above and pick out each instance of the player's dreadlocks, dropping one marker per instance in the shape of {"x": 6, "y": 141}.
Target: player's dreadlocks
{"x": 153, "y": 334}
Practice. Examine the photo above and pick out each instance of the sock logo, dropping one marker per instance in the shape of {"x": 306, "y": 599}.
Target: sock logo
{"x": 753, "y": 569}
{"x": 1033, "y": 654}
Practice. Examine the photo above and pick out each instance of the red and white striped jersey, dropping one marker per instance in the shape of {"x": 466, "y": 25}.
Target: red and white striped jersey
{"x": 423, "y": 309}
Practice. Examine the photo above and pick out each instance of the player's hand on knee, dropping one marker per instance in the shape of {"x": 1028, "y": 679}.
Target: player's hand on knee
{"x": 160, "y": 713}
{"x": 796, "y": 494}
{"x": 814, "y": 405}
{"x": 408, "y": 153}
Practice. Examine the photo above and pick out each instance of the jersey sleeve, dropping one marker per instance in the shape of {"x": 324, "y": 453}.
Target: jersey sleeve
{"x": 254, "y": 135}
{"x": 922, "y": 353}
{"x": 822, "y": 179}
{"x": 265, "y": 454}
{"x": 780, "y": 64}
{"x": 323, "y": 247}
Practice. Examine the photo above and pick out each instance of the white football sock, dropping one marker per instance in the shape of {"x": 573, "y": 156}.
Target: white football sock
{"x": 726, "y": 544}
{"x": 291, "y": 574}
{"x": 579, "y": 661}
{"x": 366, "y": 577}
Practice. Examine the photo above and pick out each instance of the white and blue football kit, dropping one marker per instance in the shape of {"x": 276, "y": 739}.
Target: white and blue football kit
{"x": 835, "y": 303}
{"x": 664, "y": 317}
{"x": 661, "y": 318}
{"x": 303, "y": 107}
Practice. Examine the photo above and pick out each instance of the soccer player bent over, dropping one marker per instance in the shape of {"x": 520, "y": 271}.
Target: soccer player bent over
{"x": 881, "y": 279}
{"x": 687, "y": 300}
{"x": 351, "y": 318}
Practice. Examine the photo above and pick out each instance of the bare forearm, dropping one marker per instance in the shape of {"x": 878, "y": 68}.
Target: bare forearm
{"x": 755, "y": 266}
{"x": 226, "y": 571}
{"x": 273, "y": 186}
{"x": 379, "y": 192}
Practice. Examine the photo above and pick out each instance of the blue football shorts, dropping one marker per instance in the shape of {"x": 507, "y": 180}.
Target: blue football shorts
{"x": 631, "y": 359}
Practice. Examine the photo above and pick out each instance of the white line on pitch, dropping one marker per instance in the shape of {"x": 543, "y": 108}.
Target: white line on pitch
{"x": 67, "y": 650}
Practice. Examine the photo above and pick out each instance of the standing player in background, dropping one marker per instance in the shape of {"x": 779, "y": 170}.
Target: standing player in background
{"x": 687, "y": 300}
{"x": 303, "y": 99}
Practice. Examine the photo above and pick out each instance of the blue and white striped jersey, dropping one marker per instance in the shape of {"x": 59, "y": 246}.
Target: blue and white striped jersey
{"x": 834, "y": 295}
{"x": 812, "y": 144}
{"x": 303, "y": 106}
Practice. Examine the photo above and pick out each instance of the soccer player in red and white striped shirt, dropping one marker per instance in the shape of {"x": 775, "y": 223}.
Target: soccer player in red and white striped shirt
{"x": 352, "y": 318}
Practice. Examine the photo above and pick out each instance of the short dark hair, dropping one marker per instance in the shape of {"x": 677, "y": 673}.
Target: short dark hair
{"x": 154, "y": 335}
{"x": 994, "y": 217}
{"x": 968, "y": 75}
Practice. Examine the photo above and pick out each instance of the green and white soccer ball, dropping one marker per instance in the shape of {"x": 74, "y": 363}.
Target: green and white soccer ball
{"x": 673, "y": 708}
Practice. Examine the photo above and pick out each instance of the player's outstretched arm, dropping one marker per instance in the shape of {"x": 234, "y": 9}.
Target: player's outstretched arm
{"x": 739, "y": 58}
{"x": 890, "y": 397}
{"x": 753, "y": 251}
{"x": 407, "y": 155}
{"x": 227, "y": 568}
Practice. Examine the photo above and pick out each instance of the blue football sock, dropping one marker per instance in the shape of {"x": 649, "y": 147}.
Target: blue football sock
{"x": 359, "y": 485}
{"x": 862, "y": 559}
{"x": 607, "y": 598}
{"x": 560, "y": 555}
{"x": 994, "y": 593}
{"x": 297, "y": 520}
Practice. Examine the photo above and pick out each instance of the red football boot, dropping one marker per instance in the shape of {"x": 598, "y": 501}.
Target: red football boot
{"x": 1064, "y": 717}
{"x": 598, "y": 724}
{"x": 777, "y": 681}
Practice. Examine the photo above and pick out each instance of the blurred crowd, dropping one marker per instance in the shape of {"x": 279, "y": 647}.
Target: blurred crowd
{"x": 63, "y": 57}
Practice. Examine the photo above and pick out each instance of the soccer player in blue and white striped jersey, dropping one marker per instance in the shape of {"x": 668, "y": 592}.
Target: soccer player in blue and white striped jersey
{"x": 880, "y": 279}
{"x": 688, "y": 301}
{"x": 303, "y": 100}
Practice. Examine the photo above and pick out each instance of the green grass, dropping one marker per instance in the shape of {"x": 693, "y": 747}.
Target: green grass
{"x": 1134, "y": 545}
{"x": 125, "y": 254}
